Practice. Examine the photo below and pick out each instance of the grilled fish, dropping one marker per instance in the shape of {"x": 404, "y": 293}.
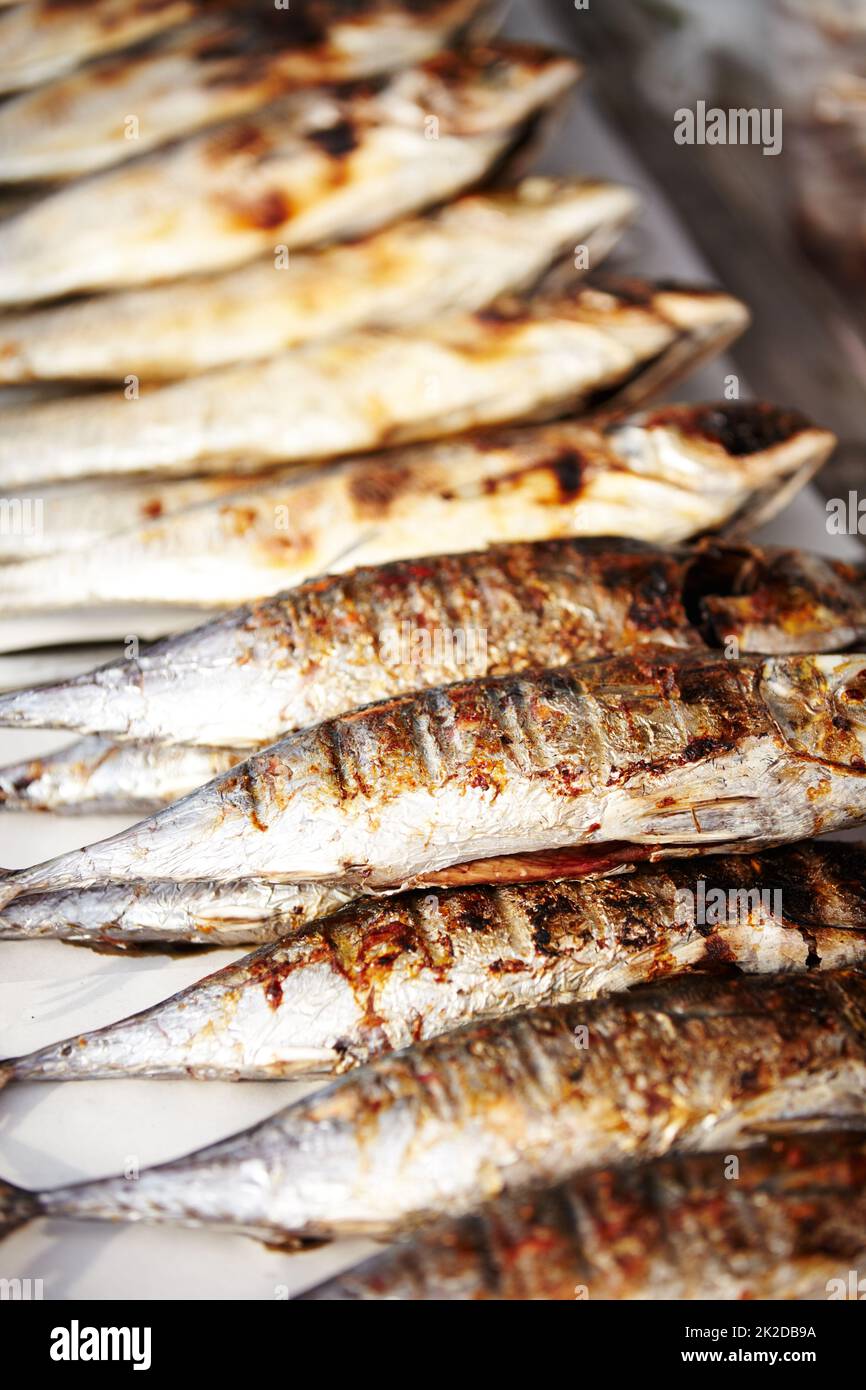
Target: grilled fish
{"x": 517, "y": 359}
{"x": 119, "y": 917}
{"x": 247, "y": 678}
{"x": 675, "y": 1229}
{"x": 377, "y": 977}
{"x": 96, "y": 776}
{"x": 373, "y": 636}
{"x": 459, "y": 257}
{"x": 300, "y": 172}
{"x": 662, "y": 477}
{"x": 75, "y": 516}
{"x": 697, "y": 1064}
{"x": 648, "y": 755}
{"x": 41, "y": 40}
{"x": 217, "y": 68}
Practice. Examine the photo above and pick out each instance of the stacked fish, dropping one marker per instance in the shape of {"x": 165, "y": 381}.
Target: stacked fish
{"x": 468, "y": 865}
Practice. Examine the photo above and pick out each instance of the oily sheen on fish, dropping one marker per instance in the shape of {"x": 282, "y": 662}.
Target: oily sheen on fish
{"x": 790, "y": 1227}
{"x": 698, "y": 1064}
{"x": 378, "y": 976}
{"x": 662, "y": 752}
{"x": 661, "y": 477}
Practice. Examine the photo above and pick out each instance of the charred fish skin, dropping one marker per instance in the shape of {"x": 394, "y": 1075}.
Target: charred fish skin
{"x": 338, "y": 642}
{"x": 648, "y": 480}
{"x": 696, "y": 1065}
{"x": 376, "y": 977}
{"x": 295, "y": 174}
{"x": 663, "y": 752}
{"x": 125, "y": 916}
{"x": 225, "y": 66}
{"x": 673, "y": 1229}
{"x": 517, "y": 359}
{"x": 335, "y": 645}
{"x": 458, "y": 257}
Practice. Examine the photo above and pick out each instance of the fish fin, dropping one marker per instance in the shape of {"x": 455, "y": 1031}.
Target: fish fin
{"x": 7, "y": 1070}
{"x": 819, "y": 1123}
{"x": 17, "y": 1207}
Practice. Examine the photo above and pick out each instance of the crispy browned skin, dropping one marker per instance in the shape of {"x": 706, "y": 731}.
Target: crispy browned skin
{"x": 378, "y": 976}
{"x": 606, "y": 594}
{"x": 672, "y": 751}
{"x": 682, "y": 1228}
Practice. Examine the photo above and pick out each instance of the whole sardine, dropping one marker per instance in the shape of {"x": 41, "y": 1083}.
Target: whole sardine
{"x": 697, "y": 1064}
{"x": 96, "y": 776}
{"x": 246, "y": 679}
{"x": 299, "y": 172}
{"x": 220, "y": 67}
{"x": 119, "y": 917}
{"x": 794, "y": 1219}
{"x": 662, "y": 477}
{"x": 518, "y": 359}
{"x": 459, "y": 257}
{"x": 648, "y": 755}
{"x": 376, "y": 977}
{"x": 41, "y": 40}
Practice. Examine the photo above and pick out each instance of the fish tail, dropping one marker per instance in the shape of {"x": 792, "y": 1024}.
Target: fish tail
{"x": 17, "y": 1207}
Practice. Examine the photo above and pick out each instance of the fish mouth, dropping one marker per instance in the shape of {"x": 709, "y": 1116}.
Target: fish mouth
{"x": 819, "y": 706}
{"x": 772, "y": 602}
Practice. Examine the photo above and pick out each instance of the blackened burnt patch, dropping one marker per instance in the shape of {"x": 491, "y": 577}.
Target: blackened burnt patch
{"x": 568, "y": 468}
{"x": 741, "y": 429}
{"x": 335, "y": 140}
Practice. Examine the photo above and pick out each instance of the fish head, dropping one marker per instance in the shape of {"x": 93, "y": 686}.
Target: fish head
{"x": 773, "y": 600}
{"x": 818, "y": 703}
{"x": 764, "y": 453}
{"x": 481, "y": 90}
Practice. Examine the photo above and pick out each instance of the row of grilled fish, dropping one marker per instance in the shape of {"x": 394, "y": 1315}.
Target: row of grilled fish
{"x": 205, "y": 63}
{"x": 376, "y": 977}
{"x": 517, "y": 359}
{"x": 628, "y": 757}
{"x": 699, "y": 1065}
{"x": 186, "y": 710}
{"x": 321, "y": 41}
{"x": 457, "y": 257}
{"x": 664, "y": 476}
{"x": 311, "y": 167}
